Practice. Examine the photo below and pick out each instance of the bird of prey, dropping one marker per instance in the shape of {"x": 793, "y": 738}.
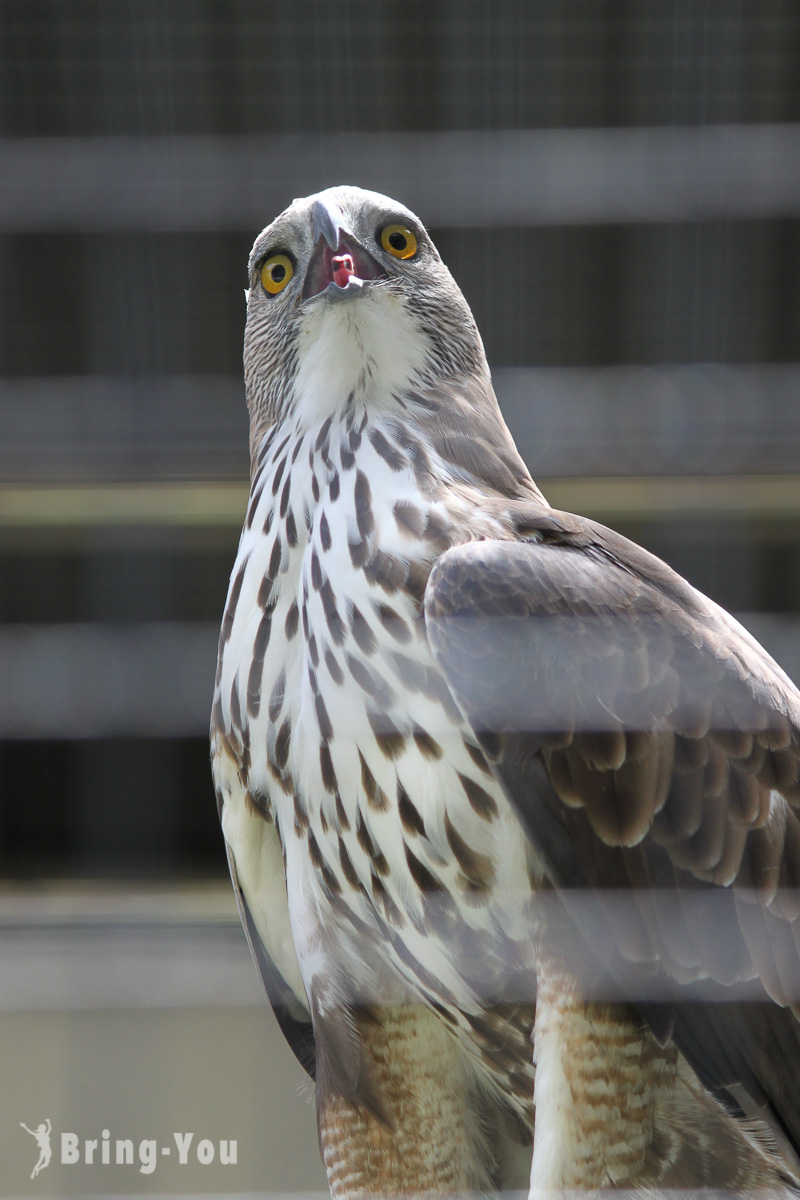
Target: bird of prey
{"x": 510, "y": 807}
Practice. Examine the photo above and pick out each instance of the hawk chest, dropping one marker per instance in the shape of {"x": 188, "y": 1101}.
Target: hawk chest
{"x": 351, "y": 742}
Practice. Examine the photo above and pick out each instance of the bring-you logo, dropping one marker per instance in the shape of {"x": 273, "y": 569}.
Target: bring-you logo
{"x": 144, "y": 1153}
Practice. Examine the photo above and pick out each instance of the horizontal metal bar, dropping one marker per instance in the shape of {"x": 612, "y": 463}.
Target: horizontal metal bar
{"x": 125, "y": 967}
{"x": 65, "y": 506}
{"x": 210, "y": 505}
{"x": 102, "y": 680}
{"x": 120, "y": 961}
{"x": 155, "y": 679}
{"x": 457, "y": 179}
{"x": 689, "y": 419}
{"x": 84, "y": 426}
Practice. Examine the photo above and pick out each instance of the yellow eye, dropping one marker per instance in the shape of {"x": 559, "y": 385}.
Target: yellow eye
{"x": 276, "y": 273}
{"x": 399, "y": 241}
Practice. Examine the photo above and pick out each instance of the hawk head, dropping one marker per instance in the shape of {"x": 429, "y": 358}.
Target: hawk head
{"x": 349, "y": 299}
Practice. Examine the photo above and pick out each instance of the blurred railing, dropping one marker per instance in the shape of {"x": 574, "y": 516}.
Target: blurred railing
{"x": 568, "y": 421}
{"x": 459, "y": 179}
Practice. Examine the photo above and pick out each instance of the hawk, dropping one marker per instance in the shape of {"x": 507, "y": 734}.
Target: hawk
{"x": 510, "y": 807}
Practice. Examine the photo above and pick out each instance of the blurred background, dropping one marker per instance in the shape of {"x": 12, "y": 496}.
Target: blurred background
{"x": 615, "y": 186}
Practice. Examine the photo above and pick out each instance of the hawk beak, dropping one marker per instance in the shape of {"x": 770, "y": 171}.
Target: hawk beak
{"x": 338, "y": 257}
{"x": 326, "y": 222}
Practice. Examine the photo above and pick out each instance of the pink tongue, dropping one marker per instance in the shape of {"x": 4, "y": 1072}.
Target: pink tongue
{"x": 342, "y": 265}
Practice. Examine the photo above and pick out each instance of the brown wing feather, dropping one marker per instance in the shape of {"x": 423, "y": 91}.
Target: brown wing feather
{"x": 652, "y": 750}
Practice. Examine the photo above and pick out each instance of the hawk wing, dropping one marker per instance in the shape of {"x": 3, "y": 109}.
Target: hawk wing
{"x": 651, "y": 749}
{"x": 292, "y": 1017}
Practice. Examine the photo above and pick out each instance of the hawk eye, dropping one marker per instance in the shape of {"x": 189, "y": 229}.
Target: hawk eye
{"x": 276, "y": 273}
{"x": 399, "y": 241}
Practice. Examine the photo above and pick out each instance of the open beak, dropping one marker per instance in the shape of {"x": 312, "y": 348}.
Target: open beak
{"x": 338, "y": 257}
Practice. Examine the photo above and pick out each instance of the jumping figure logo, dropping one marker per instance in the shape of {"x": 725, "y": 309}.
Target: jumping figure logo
{"x": 146, "y": 1153}
{"x": 42, "y": 1134}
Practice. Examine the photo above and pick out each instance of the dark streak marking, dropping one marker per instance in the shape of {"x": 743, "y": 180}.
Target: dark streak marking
{"x": 416, "y": 580}
{"x": 233, "y": 600}
{"x": 362, "y": 835}
{"x": 363, "y": 500}
{"x": 389, "y": 453}
{"x": 278, "y": 476}
{"x": 346, "y": 456}
{"x": 392, "y": 622}
{"x": 391, "y": 741}
{"x": 409, "y": 519}
{"x": 425, "y": 880}
{"x": 428, "y": 747}
{"x": 390, "y": 910}
{"x": 275, "y": 558}
{"x": 341, "y": 815}
{"x": 244, "y": 765}
{"x": 287, "y": 488}
{"x": 282, "y": 745}
{"x": 315, "y": 488}
{"x": 413, "y": 674}
{"x": 267, "y": 443}
{"x": 292, "y": 621}
{"x": 236, "y": 709}
{"x": 482, "y": 803}
{"x": 348, "y": 869}
{"x": 257, "y": 802}
{"x": 251, "y": 509}
{"x": 335, "y": 623}
{"x": 323, "y": 720}
{"x": 491, "y": 743}
{"x": 359, "y": 553}
{"x": 478, "y": 758}
{"x": 477, "y": 867}
{"x": 316, "y": 571}
{"x": 323, "y": 433}
{"x": 376, "y": 797}
{"x": 369, "y": 681}
{"x": 365, "y": 638}
{"x": 313, "y": 653}
{"x": 385, "y": 570}
{"x": 441, "y": 692}
{"x": 409, "y": 815}
{"x": 265, "y": 592}
{"x": 300, "y": 814}
{"x": 217, "y": 720}
{"x": 333, "y": 486}
{"x": 334, "y": 670}
{"x": 329, "y": 879}
{"x": 291, "y": 529}
{"x": 438, "y": 531}
{"x": 326, "y": 767}
{"x": 257, "y": 665}
{"x": 324, "y": 532}
{"x": 280, "y": 449}
{"x": 422, "y": 468}
{"x": 368, "y": 846}
{"x": 276, "y": 698}
{"x": 425, "y": 977}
